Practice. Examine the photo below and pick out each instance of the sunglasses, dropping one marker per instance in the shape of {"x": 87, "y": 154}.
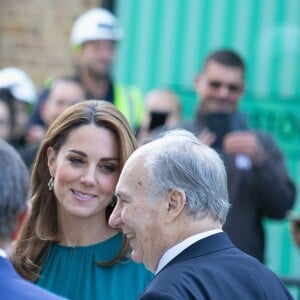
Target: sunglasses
{"x": 215, "y": 84}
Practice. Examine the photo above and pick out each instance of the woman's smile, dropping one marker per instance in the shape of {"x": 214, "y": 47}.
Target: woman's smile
{"x": 81, "y": 196}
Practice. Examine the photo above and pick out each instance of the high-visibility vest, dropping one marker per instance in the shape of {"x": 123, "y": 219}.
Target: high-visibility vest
{"x": 129, "y": 101}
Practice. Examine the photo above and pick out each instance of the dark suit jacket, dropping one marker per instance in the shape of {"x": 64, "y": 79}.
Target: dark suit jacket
{"x": 213, "y": 268}
{"x": 13, "y": 287}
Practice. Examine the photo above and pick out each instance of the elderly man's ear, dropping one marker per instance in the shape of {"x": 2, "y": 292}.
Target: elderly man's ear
{"x": 176, "y": 203}
{"x": 22, "y": 218}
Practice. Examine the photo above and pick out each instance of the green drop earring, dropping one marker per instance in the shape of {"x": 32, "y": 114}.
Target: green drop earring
{"x": 51, "y": 183}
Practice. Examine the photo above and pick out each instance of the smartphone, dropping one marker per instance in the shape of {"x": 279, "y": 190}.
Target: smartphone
{"x": 157, "y": 119}
{"x": 219, "y": 124}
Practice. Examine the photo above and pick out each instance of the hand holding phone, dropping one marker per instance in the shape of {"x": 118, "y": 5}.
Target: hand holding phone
{"x": 157, "y": 119}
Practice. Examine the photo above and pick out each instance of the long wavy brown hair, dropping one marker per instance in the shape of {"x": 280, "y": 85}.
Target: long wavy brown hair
{"x": 42, "y": 228}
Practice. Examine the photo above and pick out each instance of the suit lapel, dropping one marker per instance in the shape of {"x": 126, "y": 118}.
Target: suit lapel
{"x": 213, "y": 243}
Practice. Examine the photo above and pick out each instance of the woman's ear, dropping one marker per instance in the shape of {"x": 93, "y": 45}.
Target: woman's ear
{"x": 51, "y": 156}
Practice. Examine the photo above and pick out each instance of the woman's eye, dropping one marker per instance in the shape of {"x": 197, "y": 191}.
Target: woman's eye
{"x": 108, "y": 168}
{"x": 76, "y": 161}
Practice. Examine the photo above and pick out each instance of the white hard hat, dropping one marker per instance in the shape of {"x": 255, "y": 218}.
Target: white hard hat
{"x": 19, "y": 83}
{"x": 95, "y": 24}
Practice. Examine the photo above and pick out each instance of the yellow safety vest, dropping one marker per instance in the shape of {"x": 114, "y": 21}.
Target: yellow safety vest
{"x": 129, "y": 101}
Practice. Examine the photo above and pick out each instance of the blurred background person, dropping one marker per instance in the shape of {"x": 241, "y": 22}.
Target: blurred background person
{"x": 294, "y": 219}
{"x": 94, "y": 37}
{"x": 162, "y": 108}
{"x": 258, "y": 182}
{"x": 6, "y": 115}
{"x": 296, "y": 232}
{"x": 62, "y": 93}
{"x": 23, "y": 93}
{"x": 67, "y": 246}
{"x": 14, "y": 212}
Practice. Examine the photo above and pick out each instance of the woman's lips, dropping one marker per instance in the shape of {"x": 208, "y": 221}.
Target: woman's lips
{"x": 81, "y": 196}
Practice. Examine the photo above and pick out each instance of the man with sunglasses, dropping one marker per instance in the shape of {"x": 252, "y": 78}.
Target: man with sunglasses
{"x": 258, "y": 181}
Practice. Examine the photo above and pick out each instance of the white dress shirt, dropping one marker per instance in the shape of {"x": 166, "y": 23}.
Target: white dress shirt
{"x": 3, "y": 253}
{"x": 175, "y": 250}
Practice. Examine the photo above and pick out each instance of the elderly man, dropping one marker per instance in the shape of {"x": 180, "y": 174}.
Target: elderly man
{"x": 14, "y": 211}
{"x": 172, "y": 201}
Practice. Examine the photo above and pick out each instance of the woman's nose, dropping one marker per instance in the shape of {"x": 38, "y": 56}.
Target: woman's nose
{"x": 89, "y": 177}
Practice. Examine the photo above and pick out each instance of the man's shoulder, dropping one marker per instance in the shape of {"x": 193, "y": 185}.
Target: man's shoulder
{"x": 198, "y": 277}
{"x": 13, "y": 286}
{"x": 266, "y": 139}
{"x": 262, "y": 134}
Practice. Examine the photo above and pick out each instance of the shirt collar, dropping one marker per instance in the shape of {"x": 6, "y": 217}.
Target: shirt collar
{"x": 175, "y": 250}
{"x": 3, "y": 253}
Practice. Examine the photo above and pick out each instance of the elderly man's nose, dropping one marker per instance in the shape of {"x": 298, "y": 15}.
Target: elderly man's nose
{"x": 115, "y": 220}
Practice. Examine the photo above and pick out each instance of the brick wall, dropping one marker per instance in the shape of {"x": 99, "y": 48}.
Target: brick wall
{"x": 34, "y": 35}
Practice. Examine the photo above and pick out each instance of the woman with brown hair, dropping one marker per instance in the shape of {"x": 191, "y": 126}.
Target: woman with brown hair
{"x": 67, "y": 245}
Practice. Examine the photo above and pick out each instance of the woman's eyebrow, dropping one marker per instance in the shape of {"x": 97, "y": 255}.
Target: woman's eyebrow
{"x": 85, "y": 155}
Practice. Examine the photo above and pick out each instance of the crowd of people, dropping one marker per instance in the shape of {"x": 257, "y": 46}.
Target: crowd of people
{"x": 179, "y": 204}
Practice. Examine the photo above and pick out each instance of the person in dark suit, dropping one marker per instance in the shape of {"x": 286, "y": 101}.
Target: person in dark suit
{"x": 14, "y": 211}
{"x": 172, "y": 201}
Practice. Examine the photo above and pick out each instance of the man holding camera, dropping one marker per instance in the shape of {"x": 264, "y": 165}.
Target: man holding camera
{"x": 258, "y": 181}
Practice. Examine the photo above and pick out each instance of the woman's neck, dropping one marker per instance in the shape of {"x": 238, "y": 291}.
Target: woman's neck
{"x": 74, "y": 231}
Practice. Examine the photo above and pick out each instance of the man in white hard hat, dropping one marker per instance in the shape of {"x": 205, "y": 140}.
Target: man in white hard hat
{"x": 93, "y": 38}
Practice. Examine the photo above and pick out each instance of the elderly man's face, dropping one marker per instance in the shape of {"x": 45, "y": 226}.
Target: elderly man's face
{"x": 141, "y": 219}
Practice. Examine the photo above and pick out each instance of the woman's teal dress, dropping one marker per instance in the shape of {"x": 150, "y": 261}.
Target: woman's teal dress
{"x": 72, "y": 272}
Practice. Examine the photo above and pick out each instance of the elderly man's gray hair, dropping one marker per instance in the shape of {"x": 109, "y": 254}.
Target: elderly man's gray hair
{"x": 182, "y": 161}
